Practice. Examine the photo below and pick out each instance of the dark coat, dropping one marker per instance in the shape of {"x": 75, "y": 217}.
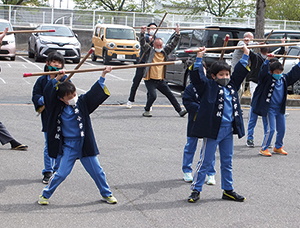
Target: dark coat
{"x": 37, "y": 93}
{"x": 209, "y": 116}
{"x": 86, "y": 104}
{"x": 266, "y": 83}
{"x": 191, "y": 102}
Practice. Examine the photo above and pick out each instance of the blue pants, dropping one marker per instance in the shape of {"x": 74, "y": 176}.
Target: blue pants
{"x": 274, "y": 119}
{"x": 252, "y": 123}
{"x": 225, "y": 142}
{"x": 51, "y": 164}
{"x": 188, "y": 156}
{"x": 72, "y": 151}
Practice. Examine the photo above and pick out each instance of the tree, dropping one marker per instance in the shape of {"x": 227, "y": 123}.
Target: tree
{"x": 260, "y": 18}
{"x": 219, "y": 8}
{"x": 23, "y": 2}
{"x": 283, "y": 10}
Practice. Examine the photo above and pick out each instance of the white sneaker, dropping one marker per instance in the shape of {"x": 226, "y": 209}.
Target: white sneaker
{"x": 188, "y": 177}
{"x": 211, "y": 180}
{"x": 129, "y": 104}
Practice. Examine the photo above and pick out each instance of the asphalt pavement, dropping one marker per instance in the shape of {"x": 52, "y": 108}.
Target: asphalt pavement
{"x": 142, "y": 159}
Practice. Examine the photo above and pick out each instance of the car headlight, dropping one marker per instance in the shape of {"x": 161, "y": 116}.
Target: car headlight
{"x": 137, "y": 46}
{"x": 75, "y": 43}
{"x": 45, "y": 41}
{"x": 111, "y": 45}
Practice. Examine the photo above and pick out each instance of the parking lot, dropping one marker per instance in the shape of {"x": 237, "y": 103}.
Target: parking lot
{"x": 142, "y": 160}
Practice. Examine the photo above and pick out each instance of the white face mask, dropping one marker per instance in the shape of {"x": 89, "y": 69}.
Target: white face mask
{"x": 73, "y": 101}
{"x": 158, "y": 49}
{"x": 151, "y": 32}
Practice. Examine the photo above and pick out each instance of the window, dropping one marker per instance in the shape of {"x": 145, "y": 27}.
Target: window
{"x": 184, "y": 42}
{"x": 294, "y": 51}
{"x": 120, "y": 33}
{"x": 97, "y": 31}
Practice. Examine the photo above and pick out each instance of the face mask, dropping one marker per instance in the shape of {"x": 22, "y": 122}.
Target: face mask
{"x": 158, "y": 49}
{"x": 152, "y": 32}
{"x": 222, "y": 81}
{"x": 73, "y": 101}
{"x": 277, "y": 76}
{"x": 53, "y": 68}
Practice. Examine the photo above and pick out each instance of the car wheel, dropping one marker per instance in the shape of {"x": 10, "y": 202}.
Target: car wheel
{"x": 37, "y": 58}
{"x": 105, "y": 58}
{"x": 76, "y": 60}
{"x": 296, "y": 87}
{"x": 94, "y": 58}
{"x": 30, "y": 54}
{"x": 13, "y": 58}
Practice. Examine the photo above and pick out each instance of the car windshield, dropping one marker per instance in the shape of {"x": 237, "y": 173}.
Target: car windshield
{"x": 164, "y": 36}
{"x": 120, "y": 33}
{"x": 3, "y": 25}
{"x": 59, "y": 31}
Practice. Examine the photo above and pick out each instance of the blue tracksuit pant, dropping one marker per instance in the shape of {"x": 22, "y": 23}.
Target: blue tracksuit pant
{"x": 273, "y": 120}
{"x": 51, "y": 164}
{"x": 72, "y": 151}
{"x": 188, "y": 156}
{"x": 252, "y": 123}
{"x": 225, "y": 142}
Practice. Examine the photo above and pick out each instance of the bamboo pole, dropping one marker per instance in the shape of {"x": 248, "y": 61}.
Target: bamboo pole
{"x": 224, "y": 45}
{"x": 29, "y": 31}
{"x": 257, "y": 39}
{"x": 103, "y": 68}
{"x": 284, "y": 58}
{"x": 265, "y": 41}
{"x": 240, "y": 47}
{"x": 181, "y": 28}
{"x": 287, "y": 56}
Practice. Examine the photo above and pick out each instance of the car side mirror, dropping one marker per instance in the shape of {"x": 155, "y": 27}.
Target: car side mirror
{"x": 101, "y": 37}
{"x": 137, "y": 38}
{"x": 75, "y": 34}
{"x": 36, "y": 34}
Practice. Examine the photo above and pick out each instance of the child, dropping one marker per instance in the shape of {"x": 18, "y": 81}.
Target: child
{"x": 54, "y": 62}
{"x": 70, "y": 132}
{"x": 269, "y": 101}
{"x": 191, "y": 102}
{"x": 218, "y": 118}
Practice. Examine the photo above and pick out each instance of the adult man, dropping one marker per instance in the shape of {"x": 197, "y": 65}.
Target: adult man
{"x": 154, "y": 75}
{"x": 139, "y": 71}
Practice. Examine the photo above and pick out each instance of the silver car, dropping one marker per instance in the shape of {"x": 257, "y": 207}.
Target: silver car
{"x": 63, "y": 40}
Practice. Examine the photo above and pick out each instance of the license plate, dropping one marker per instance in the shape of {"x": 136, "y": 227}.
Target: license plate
{"x": 120, "y": 56}
{"x": 63, "y": 52}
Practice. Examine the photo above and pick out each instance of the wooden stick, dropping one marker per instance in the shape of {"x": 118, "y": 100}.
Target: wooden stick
{"x": 80, "y": 63}
{"x": 241, "y": 47}
{"x": 181, "y": 28}
{"x": 224, "y": 45}
{"x": 103, "y": 68}
{"x": 29, "y": 31}
{"x": 288, "y": 56}
{"x": 284, "y": 58}
{"x": 257, "y": 39}
{"x": 265, "y": 41}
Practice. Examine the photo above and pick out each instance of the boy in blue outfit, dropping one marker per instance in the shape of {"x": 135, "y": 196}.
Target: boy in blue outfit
{"x": 191, "y": 102}
{"x": 70, "y": 132}
{"x": 269, "y": 101}
{"x": 54, "y": 62}
{"x": 218, "y": 118}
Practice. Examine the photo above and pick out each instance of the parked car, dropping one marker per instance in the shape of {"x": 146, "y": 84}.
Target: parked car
{"x": 115, "y": 42}
{"x": 164, "y": 35}
{"x": 279, "y": 34}
{"x": 63, "y": 40}
{"x": 8, "y": 48}
{"x": 178, "y": 74}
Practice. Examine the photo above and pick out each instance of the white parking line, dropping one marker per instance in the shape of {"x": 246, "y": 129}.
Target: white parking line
{"x": 90, "y": 64}
{"x": 24, "y": 79}
{"x": 2, "y": 80}
{"x": 9, "y": 65}
{"x": 30, "y": 62}
{"x": 24, "y": 65}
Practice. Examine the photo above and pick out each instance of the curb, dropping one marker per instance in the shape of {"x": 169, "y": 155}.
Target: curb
{"x": 289, "y": 102}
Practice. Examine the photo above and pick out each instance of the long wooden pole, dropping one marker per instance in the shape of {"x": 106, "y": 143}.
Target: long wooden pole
{"x": 257, "y": 39}
{"x": 103, "y": 68}
{"x": 181, "y": 28}
{"x": 29, "y": 31}
{"x": 241, "y": 47}
{"x": 224, "y": 45}
{"x": 288, "y": 56}
{"x": 265, "y": 41}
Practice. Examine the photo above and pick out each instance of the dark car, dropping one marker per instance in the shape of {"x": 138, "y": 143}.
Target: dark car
{"x": 63, "y": 40}
{"x": 178, "y": 74}
{"x": 279, "y": 34}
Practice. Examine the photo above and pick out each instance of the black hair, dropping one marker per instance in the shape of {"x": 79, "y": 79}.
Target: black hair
{"x": 264, "y": 50}
{"x": 54, "y": 56}
{"x": 218, "y": 66}
{"x": 152, "y": 24}
{"x": 276, "y": 66}
{"x": 65, "y": 88}
{"x": 273, "y": 60}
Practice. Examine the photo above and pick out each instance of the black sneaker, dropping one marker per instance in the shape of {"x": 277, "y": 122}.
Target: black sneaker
{"x": 47, "y": 177}
{"x": 194, "y": 196}
{"x": 232, "y": 195}
{"x": 250, "y": 143}
{"x": 182, "y": 113}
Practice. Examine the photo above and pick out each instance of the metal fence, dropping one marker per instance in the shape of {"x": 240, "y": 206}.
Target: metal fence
{"x": 87, "y": 19}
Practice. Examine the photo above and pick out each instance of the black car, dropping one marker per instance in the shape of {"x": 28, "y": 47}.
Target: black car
{"x": 178, "y": 74}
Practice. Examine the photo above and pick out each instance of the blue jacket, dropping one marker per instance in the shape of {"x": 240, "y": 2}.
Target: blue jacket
{"x": 266, "y": 83}
{"x": 209, "y": 116}
{"x": 86, "y": 104}
{"x": 37, "y": 93}
{"x": 191, "y": 102}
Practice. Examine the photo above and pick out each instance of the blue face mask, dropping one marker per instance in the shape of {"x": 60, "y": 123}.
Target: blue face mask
{"x": 53, "y": 68}
{"x": 277, "y": 76}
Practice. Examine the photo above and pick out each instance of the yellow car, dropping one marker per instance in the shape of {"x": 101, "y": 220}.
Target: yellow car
{"x": 115, "y": 42}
